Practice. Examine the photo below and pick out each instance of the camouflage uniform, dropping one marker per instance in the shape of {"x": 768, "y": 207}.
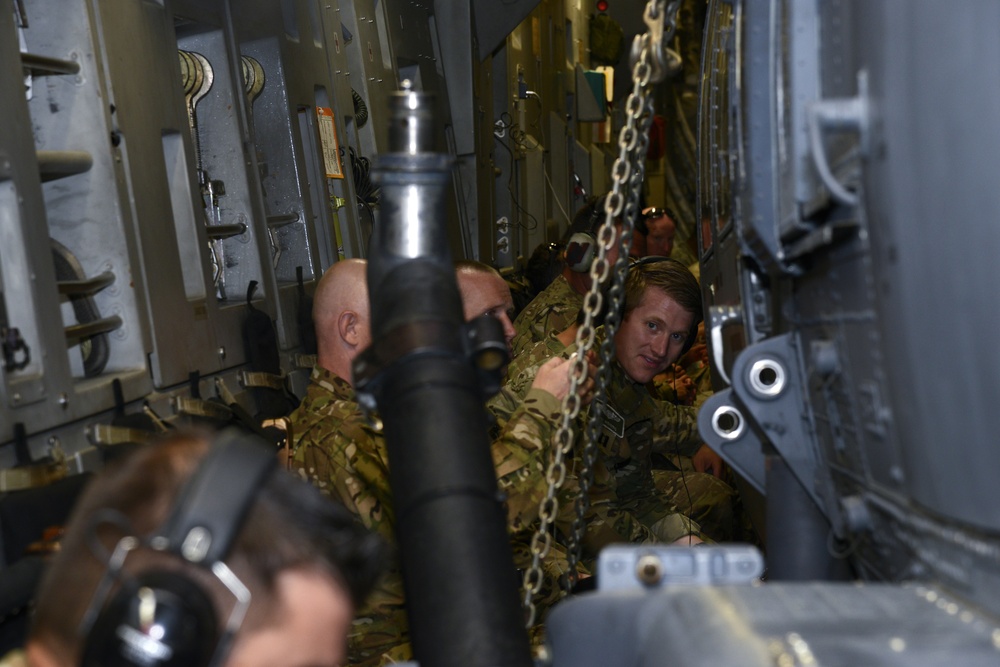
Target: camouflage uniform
{"x": 609, "y": 519}
{"x": 703, "y": 497}
{"x": 606, "y": 524}
{"x": 672, "y": 433}
{"x": 552, "y": 311}
{"x": 521, "y": 454}
{"x": 338, "y": 451}
{"x": 636, "y": 427}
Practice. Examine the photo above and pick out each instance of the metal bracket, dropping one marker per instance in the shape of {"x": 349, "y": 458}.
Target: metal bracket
{"x": 645, "y": 567}
{"x": 768, "y": 383}
{"x": 724, "y": 426}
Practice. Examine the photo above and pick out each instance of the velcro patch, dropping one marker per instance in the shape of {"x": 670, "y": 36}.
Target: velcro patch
{"x": 614, "y": 423}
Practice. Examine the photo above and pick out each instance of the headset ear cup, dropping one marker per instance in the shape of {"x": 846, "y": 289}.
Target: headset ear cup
{"x": 157, "y": 619}
{"x": 580, "y": 252}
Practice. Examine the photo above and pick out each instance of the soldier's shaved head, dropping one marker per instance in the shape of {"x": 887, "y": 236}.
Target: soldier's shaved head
{"x": 342, "y": 317}
{"x": 485, "y": 292}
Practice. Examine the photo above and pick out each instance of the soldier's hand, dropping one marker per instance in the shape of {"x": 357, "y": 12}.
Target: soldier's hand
{"x": 553, "y": 377}
{"x": 705, "y": 460}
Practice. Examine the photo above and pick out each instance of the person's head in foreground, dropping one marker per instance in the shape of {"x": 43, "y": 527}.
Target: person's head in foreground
{"x": 199, "y": 551}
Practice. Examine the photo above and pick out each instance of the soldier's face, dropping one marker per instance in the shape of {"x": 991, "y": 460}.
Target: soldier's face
{"x": 487, "y": 294}
{"x": 652, "y": 336}
{"x": 305, "y": 626}
{"x": 660, "y": 240}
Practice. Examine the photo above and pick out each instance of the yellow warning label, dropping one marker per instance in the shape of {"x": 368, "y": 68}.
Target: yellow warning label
{"x": 328, "y": 139}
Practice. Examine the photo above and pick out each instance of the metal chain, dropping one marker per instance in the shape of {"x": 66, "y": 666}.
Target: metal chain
{"x": 633, "y": 142}
{"x": 629, "y": 167}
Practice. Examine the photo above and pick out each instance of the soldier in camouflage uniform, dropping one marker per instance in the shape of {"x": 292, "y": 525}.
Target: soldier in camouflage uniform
{"x": 636, "y": 425}
{"x": 343, "y": 453}
{"x": 337, "y": 450}
{"x": 608, "y": 519}
{"x": 520, "y": 440}
{"x": 606, "y": 523}
{"x": 555, "y": 308}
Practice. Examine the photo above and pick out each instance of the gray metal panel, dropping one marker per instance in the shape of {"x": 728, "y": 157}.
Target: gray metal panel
{"x": 800, "y": 75}
{"x": 418, "y": 47}
{"x": 354, "y": 220}
{"x": 138, "y": 44}
{"x": 421, "y": 48}
{"x": 530, "y": 218}
{"x": 835, "y": 314}
{"x": 895, "y": 355}
{"x": 807, "y": 624}
{"x": 454, "y": 34}
{"x": 26, "y": 274}
{"x": 762, "y": 164}
{"x": 503, "y": 162}
{"x": 221, "y": 156}
{"x": 137, "y": 210}
{"x": 67, "y": 112}
{"x": 933, "y": 189}
{"x": 280, "y": 179}
{"x": 301, "y": 72}
{"x": 371, "y": 65}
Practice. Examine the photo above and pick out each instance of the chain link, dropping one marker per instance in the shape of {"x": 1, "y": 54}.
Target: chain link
{"x": 628, "y": 169}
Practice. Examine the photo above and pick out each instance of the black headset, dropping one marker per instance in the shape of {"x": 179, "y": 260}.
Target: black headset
{"x": 162, "y": 617}
{"x": 658, "y": 259}
{"x": 582, "y": 245}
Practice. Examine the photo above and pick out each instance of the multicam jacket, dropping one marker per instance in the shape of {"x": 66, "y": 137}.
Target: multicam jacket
{"x": 341, "y": 453}
{"x": 552, "y": 311}
{"x": 623, "y": 493}
{"x": 336, "y": 449}
{"x": 521, "y": 450}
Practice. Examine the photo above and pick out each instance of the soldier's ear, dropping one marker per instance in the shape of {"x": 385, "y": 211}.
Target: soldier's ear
{"x": 347, "y": 327}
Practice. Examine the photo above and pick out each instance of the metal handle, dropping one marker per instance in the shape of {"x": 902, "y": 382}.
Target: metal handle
{"x": 839, "y": 114}
{"x": 720, "y": 317}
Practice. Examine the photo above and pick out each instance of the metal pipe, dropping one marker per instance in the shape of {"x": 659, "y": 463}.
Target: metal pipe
{"x": 798, "y": 533}
{"x": 458, "y": 572}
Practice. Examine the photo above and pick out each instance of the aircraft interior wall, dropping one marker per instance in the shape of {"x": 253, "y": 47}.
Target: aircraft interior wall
{"x": 172, "y": 170}
{"x": 169, "y": 154}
